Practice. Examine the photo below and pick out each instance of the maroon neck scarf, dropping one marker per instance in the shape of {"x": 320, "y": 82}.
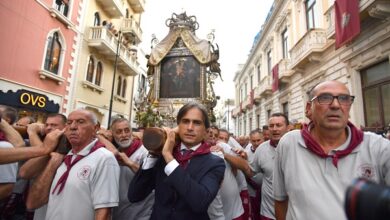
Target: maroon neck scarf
{"x": 273, "y": 143}
{"x": 183, "y": 159}
{"x": 2, "y": 136}
{"x": 253, "y": 149}
{"x": 69, "y": 164}
{"x": 135, "y": 144}
{"x": 313, "y": 146}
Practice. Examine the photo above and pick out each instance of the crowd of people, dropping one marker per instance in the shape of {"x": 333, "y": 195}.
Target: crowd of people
{"x": 71, "y": 168}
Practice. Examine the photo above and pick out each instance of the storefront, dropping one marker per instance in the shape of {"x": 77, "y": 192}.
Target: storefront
{"x": 29, "y": 103}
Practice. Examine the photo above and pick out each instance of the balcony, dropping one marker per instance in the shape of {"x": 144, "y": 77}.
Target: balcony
{"x": 115, "y": 8}
{"x": 132, "y": 29}
{"x": 330, "y": 19}
{"x": 309, "y": 48}
{"x": 285, "y": 73}
{"x": 264, "y": 89}
{"x": 378, "y": 9}
{"x": 236, "y": 111}
{"x": 106, "y": 43}
{"x": 246, "y": 104}
{"x": 138, "y": 6}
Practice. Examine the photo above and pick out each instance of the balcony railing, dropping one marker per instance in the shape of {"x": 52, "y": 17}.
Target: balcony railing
{"x": 285, "y": 72}
{"x": 308, "y": 47}
{"x": 114, "y": 8}
{"x": 246, "y": 104}
{"x": 138, "y": 6}
{"x": 106, "y": 43}
{"x": 131, "y": 27}
{"x": 265, "y": 87}
{"x": 236, "y": 111}
{"x": 330, "y": 17}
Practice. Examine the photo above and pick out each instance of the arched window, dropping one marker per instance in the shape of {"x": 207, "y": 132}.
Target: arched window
{"x": 127, "y": 13}
{"x": 53, "y": 54}
{"x": 90, "y": 70}
{"x": 119, "y": 88}
{"x": 124, "y": 88}
{"x": 99, "y": 72}
{"x": 96, "y": 20}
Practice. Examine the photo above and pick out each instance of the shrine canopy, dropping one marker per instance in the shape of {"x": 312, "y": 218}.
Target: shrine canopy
{"x": 184, "y": 27}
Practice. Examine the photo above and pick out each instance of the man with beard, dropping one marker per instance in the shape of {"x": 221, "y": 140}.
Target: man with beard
{"x": 185, "y": 175}
{"x": 131, "y": 153}
{"x": 315, "y": 165}
{"x": 263, "y": 162}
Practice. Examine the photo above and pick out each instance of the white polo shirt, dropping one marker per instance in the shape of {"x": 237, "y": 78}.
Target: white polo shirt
{"x": 215, "y": 210}
{"x": 230, "y": 191}
{"x": 263, "y": 162}
{"x": 8, "y": 171}
{"x": 141, "y": 210}
{"x": 93, "y": 183}
{"x": 315, "y": 188}
{"x": 257, "y": 178}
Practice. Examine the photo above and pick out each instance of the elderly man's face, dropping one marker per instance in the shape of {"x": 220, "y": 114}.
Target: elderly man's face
{"x": 121, "y": 132}
{"x": 192, "y": 129}
{"x": 333, "y": 115}
{"x": 80, "y": 129}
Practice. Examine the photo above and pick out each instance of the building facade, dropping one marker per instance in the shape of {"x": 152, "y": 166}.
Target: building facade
{"x": 107, "y": 57}
{"x": 37, "y": 53}
{"x": 295, "y": 50}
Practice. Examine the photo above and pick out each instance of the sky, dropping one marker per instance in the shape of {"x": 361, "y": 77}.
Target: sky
{"x": 235, "y": 25}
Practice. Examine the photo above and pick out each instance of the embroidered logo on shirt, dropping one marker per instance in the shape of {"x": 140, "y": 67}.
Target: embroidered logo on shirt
{"x": 84, "y": 172}
{"x": 366, "y": 171}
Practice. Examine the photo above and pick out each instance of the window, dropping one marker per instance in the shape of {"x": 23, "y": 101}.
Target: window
{"x": 376, "y": 95}
{"x": 310, "y": 14}
{"x": 244, "y": 130}
{"x": 142, "y": 83}
{"x": 99, "y": 72}
{"x": 241, "y": 95}
{"x": 119, "y": 88}
{"x": 285, "y": 43}
{"x": 96, "y": 19}
{"x": 127, "y": 13}
{"x": 94, "y": 71}
{"x": 269, "y": 62}
{"x": 258, "y": 121}
{"x": 53, "y": 54}
{"x": 124, "y": 87}
{"x": 90, "y": 70}
{"x": 246, "y": 90}
{"x": 62, "y": 6}
{"x": 251, "y": 82}
{"x": 258, "y": 73}
{"x": 250, "y": 124}
{"x": 285, "y": 108}
{"x": 268, "y": 115}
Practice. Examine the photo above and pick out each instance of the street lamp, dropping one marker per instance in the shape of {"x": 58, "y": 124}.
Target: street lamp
{"x": 113, "y": 77}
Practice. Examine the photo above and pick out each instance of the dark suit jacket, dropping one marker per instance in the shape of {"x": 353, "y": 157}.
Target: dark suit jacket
{"x": 183, "y": 195}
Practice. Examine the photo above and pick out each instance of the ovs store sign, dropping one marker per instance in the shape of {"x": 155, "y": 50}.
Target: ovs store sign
{"x": 29, "y": 100}
{"x": 33, "y": 99}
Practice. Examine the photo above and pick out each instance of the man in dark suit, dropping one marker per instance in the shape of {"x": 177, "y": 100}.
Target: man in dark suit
{"x": 185, "y": 175}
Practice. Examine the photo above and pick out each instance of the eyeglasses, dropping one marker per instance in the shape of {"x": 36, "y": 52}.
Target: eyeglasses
{"x": 327, "y": 99}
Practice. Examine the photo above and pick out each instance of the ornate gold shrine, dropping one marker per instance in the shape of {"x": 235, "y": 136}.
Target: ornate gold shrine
{"x": 182, "y": 68}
